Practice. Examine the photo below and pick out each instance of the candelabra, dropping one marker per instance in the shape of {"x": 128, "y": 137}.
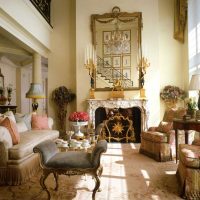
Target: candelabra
{"x": 90, "y": 65}
{"x": 143, "y": 64}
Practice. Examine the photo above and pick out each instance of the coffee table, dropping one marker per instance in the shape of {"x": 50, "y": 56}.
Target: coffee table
{"x": 65, "y": 148}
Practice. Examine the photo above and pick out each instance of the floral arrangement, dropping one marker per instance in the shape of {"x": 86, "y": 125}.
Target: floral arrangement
{"x": 172, "y": 93}
{"x": 79, "y": 117}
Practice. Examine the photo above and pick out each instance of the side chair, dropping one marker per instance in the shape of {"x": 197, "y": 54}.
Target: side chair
{"x": 70, "y": 163}
{"x": 159, "y": 142}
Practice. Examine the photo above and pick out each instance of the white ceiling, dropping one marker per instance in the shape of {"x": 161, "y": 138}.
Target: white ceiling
{"x": 16, "y": 51}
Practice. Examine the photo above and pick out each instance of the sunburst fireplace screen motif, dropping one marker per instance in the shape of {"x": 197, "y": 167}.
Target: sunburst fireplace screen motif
{"x": 135, "y": 110}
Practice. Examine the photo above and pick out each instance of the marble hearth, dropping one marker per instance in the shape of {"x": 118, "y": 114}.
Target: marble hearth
{"x": 136, "y": 104}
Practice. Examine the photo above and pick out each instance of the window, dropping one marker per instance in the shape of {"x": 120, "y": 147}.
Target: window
{"x": 194, "y": 36}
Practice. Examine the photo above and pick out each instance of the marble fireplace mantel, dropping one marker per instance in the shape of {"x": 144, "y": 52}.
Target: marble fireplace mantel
{"x": 93, "y": 104}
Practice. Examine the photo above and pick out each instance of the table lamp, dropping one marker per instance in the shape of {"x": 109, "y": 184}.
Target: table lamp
{"x": 35, "y": 92}
{"x": 195, "y": 85}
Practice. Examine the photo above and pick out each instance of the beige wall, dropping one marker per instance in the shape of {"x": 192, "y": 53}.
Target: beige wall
{"x": 21, "y": 19}
{"x": 71, "y": 34}
{"x": 150, "y": 36}
{"x": 62, "y": 63}
{"x": 173, "y": 66}
{"x": 164, "y": 53}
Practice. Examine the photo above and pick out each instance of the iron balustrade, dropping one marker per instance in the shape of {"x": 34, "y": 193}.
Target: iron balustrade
{"x": 44, "y": 7}
{"x": 110, "y": 73}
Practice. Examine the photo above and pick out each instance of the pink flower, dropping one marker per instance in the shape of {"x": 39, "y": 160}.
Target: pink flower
{"x": 79, "y": 116}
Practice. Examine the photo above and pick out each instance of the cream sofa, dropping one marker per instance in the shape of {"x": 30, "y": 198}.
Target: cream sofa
{"x": 18, "y": 162}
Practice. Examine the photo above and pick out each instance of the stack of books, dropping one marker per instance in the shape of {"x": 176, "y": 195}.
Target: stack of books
{"x": 186, "y": 117}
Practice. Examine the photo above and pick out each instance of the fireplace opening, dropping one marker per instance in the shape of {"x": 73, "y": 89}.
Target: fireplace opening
{"x": 133, "y": 113}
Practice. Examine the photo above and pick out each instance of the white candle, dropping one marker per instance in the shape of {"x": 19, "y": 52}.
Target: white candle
{"x": 95, "y": 58}
{"x": 93, "y": 55}
{"x": 87, "y": 54}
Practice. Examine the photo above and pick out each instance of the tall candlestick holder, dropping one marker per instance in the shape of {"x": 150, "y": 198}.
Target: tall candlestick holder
{"x": 91, "y": 67}
{"x": 143, "y": 64}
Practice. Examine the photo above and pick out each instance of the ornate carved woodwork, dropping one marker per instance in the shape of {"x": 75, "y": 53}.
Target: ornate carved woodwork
{"x": 138, "y": 112}
{"x": 118, "y": 128}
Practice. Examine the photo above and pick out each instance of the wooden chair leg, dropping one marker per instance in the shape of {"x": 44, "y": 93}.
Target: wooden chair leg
{"x": 42, "y": 182}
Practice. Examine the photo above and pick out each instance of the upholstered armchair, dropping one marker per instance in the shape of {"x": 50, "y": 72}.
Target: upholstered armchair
{"x": 70, "y": 163}
{"x": 116, "y": 128}
{"x": 188, "y": 171}
{"x": 158, "y": 142}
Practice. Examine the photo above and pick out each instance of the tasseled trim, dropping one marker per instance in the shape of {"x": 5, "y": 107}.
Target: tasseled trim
{"x": 2, "y": 176}
{"x": 157, "y": 156}
{"x": 19, "y": 174}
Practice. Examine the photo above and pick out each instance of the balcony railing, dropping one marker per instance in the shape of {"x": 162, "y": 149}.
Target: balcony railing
{"x": 43, "y": 6}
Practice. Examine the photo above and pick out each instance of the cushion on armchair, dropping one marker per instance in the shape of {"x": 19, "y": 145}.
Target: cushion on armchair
{"x": 171, "y": 114}
{"x": 164, "y": 127}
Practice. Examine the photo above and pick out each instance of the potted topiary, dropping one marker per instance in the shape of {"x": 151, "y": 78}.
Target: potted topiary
{"x": 62, "y": 96}
{"x": 191, "y": 107}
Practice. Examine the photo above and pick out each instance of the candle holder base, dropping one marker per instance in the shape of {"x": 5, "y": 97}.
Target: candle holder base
{"x": 142, "y": 93}
{"x": 77, "y": 128}
{"x": 92, "y": 93}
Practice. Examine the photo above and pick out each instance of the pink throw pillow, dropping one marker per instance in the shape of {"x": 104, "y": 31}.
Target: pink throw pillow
{"x": 39, "y": 122}
{"x": 12, "y": 128}
{"x": 165, "y": 127}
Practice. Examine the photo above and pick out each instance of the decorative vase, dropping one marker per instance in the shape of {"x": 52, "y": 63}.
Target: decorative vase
{"x": 192, "y": 113}
{"x": 170, "y": 103}
{"x": 3, "y": 100}
{"x": 9, "y": 99}
{"x": 77, "y": 128}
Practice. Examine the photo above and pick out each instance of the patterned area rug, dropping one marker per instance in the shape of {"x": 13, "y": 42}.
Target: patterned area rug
{"x": 127, "y": 175}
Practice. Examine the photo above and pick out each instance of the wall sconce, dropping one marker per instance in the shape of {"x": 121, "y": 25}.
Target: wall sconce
{"x": 35, "y": 92}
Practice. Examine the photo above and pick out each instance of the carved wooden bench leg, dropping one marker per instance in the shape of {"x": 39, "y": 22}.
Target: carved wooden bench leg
{"x": 97, "y": 185}
{"x": 56, "y": 180}
{"x": 100, "y": 171}
{"x": 42, "y": 182}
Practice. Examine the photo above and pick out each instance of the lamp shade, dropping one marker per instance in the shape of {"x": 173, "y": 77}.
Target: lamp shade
{"x": 195, "y": 82}
{"x": 35, "y": 91}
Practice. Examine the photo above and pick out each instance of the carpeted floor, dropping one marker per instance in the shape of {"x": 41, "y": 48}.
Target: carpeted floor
{"x": 127, "y": 175}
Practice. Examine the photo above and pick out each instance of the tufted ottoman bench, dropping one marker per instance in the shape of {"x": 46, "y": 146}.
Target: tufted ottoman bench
{"x": 70, "y": 163}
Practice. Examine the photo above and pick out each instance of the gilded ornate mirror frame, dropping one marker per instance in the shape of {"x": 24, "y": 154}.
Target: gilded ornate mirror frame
{"x": 112, "y": 19}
